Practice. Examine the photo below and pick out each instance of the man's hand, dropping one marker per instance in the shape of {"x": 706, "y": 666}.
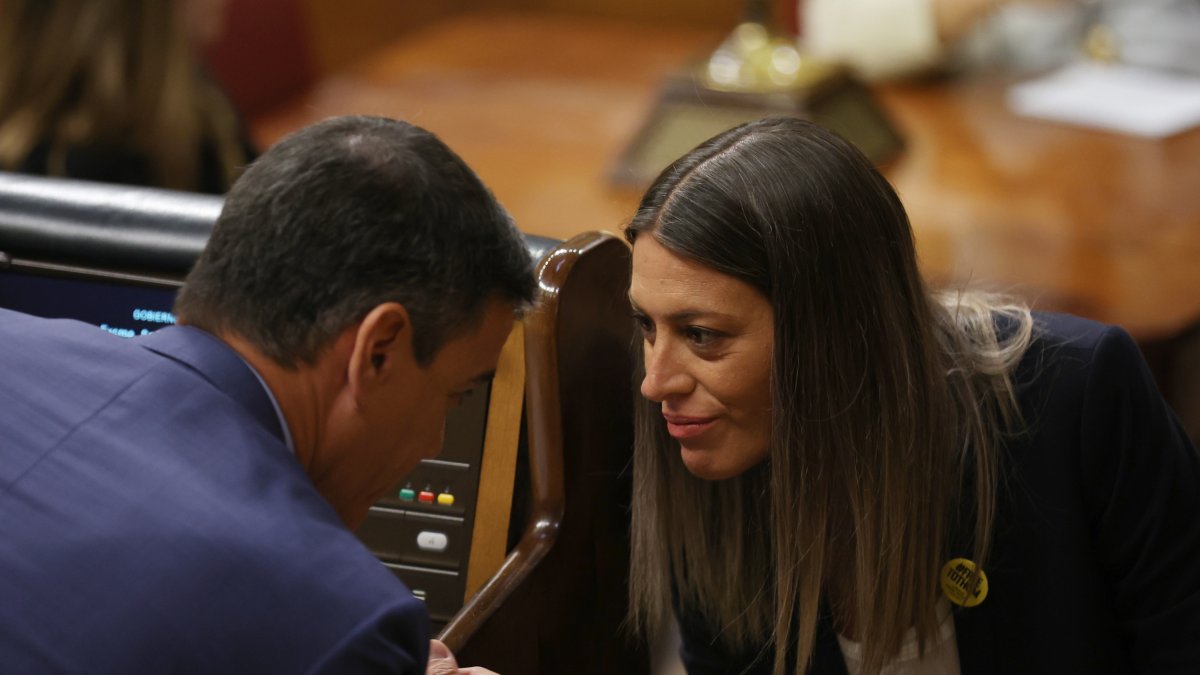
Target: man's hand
{"x": 442, "y": 662}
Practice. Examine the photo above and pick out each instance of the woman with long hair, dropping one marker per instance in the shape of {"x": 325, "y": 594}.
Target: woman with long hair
{"x": 838, "y": 469}
{"x": 110, "y": 90}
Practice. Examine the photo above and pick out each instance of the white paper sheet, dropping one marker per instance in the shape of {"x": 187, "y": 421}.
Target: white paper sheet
{"x": 1115, "y": 97}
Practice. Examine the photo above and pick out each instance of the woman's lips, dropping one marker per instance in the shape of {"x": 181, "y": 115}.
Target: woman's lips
{"x": 684, "y": 426}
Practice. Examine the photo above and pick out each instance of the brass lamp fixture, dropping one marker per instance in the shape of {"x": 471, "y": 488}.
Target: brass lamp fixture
{"x": 758, "y": 59}
{"x": 757, "y": 71}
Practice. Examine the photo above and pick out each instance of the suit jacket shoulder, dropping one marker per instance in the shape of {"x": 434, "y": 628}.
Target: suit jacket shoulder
{"x": 1093, "y": 566}
{"x": 155, "y": 521}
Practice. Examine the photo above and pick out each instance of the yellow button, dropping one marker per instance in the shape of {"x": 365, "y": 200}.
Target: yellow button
{"x": 446, "y": 499}
{"x": 963, "y": 583}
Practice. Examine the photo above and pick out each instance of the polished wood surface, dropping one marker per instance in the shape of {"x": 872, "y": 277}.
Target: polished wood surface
{"x": 498, "y": 464}
{"x": 343, "y": 31}
{"x": 1099, "y": 224}
{"x": 557, "y": 603}
{"x": 542, "y": 106}
{"x": 717, "y": 14}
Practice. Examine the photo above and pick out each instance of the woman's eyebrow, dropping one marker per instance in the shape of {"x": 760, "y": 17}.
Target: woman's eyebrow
{"x": 685, "y": 315}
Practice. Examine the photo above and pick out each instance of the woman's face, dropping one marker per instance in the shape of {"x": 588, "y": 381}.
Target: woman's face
{"x": 708, "y": 341}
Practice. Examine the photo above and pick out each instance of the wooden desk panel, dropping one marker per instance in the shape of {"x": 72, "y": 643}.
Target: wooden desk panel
{"x": 542, "y": 106}
{"x": 1099, "y": 224}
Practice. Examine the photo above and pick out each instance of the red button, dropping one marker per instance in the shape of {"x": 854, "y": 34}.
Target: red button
{"x": 425, "y": 497}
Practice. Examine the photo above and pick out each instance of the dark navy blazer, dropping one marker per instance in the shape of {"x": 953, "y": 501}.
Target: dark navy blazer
{"x": 152, "y": 520}
{"x": 1095, "y": 566}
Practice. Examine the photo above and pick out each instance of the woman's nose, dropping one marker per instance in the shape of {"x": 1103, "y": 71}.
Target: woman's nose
{"x": 665, "y": 376}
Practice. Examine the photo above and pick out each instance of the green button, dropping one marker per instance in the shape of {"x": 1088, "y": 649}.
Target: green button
{"x": 407, "y": 495}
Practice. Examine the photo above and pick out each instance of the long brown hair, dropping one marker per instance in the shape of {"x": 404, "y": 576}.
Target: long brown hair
{"x": 109, "y": 72}
{"x": 890, "y": 407}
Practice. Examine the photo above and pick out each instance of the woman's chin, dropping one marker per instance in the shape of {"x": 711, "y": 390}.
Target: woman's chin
{"x": 720, "y": 464}
{"x": 707, "y": 465}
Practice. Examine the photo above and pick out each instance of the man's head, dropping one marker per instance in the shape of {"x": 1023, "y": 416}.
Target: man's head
{"x": 341, "y": 217}
{"x": 363, "y": 254}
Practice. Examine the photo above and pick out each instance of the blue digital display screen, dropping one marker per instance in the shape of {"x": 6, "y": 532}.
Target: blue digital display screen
{"x": 124, "y": 309}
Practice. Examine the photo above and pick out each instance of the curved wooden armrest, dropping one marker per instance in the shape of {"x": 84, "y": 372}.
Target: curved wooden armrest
{"x": 545, "y": 437}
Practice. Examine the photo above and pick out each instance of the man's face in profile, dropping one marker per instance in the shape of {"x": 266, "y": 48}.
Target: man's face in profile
{"x": 403, "y": 421}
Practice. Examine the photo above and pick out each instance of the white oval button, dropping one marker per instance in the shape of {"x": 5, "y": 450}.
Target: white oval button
{"x": 432, "y": 541}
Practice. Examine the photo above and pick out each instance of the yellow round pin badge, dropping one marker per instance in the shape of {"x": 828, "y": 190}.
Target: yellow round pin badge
{"x": 964, "y": 583}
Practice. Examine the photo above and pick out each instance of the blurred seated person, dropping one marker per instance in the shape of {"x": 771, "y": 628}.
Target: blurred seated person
{"x": 111, "y": 90}
{"x": 888, "y": 38}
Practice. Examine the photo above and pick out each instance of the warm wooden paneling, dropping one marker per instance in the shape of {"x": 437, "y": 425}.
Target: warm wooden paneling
{"x": 343, "y": 31}
{"x": 703, "y": 13}
{"x": 272, "y": 50}
{"x": 542, "y": 105}
{"x": 1099, "y": 224}
{"x": 278, "y": 47}
{"x": 559, "y": 601}
{"x": 498, "y": 465}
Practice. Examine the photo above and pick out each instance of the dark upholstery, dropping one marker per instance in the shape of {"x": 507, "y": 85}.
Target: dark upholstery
{"x": 109, "y": 226}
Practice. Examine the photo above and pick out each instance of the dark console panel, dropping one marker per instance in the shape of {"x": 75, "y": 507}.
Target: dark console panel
{"x": 422, "y": 530}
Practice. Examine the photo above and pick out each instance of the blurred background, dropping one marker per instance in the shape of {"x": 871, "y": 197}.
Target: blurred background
{"x": 546, "y": 98}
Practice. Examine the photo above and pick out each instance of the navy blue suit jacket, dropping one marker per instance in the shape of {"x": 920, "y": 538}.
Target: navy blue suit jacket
{"x": 1095, "y": 565}
{"x": 153, "y": 520}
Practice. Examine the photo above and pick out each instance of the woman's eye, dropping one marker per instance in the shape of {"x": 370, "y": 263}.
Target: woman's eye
{"x": 700, "y": 337}
{"x": 644, "y": 324}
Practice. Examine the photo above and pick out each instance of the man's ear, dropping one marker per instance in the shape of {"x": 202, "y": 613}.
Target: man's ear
{"x": 382, "y": 344}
